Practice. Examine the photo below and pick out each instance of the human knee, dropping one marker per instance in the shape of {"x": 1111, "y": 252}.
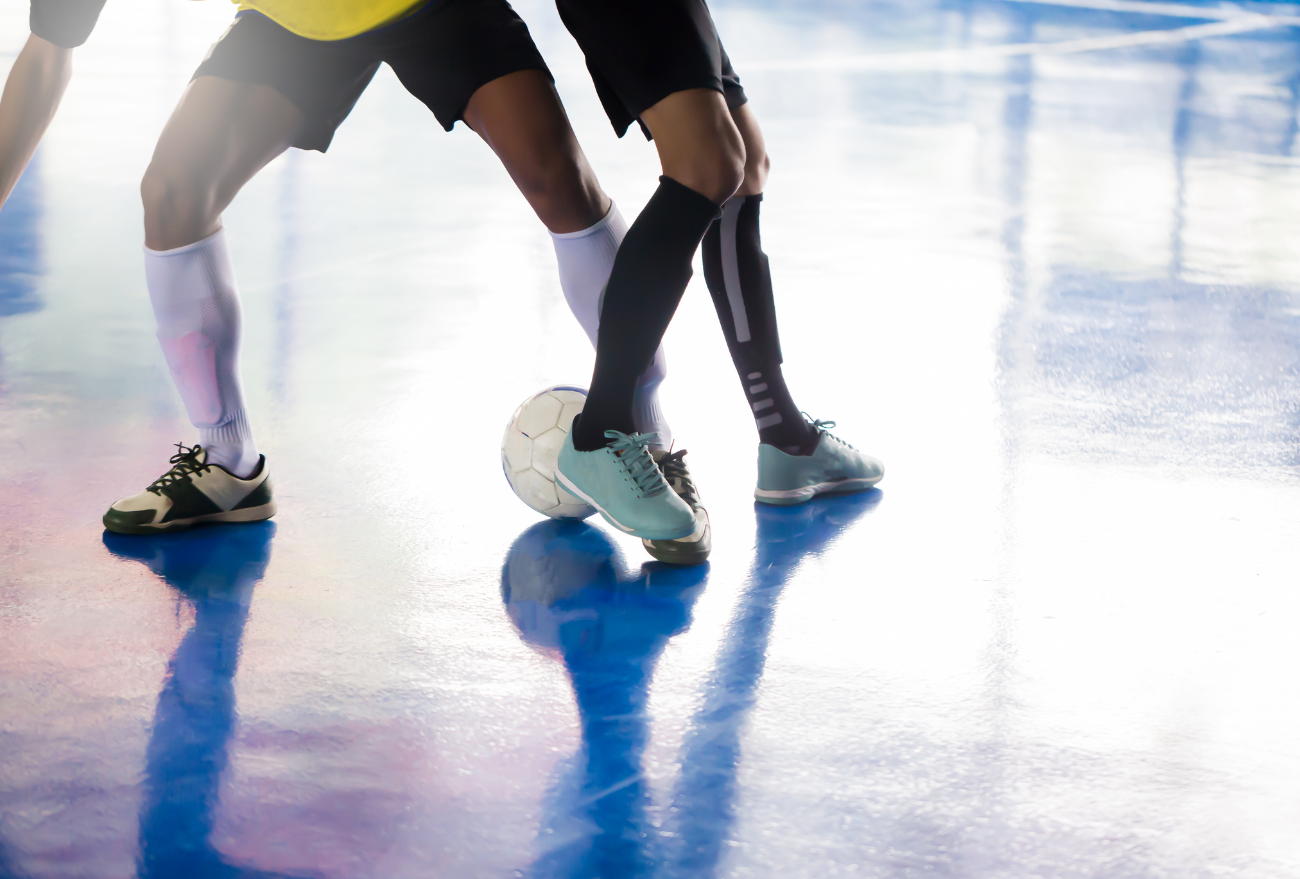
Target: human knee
{"x": 727, "y": 167}
{"x": 176, "y": 207}
{"x": 757, "y": 166}
{"x": 716, "y": 172}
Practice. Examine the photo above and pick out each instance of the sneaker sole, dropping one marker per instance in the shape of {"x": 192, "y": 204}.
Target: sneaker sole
{"x": 252, "y": 514}
{"x": 644, "y": 535}
{"x": 794, "y": 496}
{"x": 681, "y": 552}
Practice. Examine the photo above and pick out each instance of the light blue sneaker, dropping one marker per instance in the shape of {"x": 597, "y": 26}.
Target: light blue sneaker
{"x": 835, "y": 467}
{"x": 623, "y": 482}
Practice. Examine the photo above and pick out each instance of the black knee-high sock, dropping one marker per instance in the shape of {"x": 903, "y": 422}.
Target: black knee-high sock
{"x": 740, "y": 282}
{"x": 650, "y": 274}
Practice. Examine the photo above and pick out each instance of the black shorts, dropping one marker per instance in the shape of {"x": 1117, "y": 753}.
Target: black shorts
{"x": 65, "y": 23}
{"x": 442, "y": 53}
{"x": 641, "y": 51}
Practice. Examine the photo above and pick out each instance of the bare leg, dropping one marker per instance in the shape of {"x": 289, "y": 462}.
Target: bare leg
{"x": 757, "y": 163}
{"x": 699, "y": 144}
{"x": 220, "y": 135}
{"x": 520, "y": 116}
{"x": 31, "y": 96}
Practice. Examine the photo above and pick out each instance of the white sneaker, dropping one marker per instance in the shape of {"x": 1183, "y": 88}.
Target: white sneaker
{"x": 194, "y": 492}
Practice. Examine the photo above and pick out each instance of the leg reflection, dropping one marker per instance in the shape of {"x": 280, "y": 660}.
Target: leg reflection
{"x": 566, "y": 591}
{"x": 703, "y": 802}
{"x": 215, "y": 570}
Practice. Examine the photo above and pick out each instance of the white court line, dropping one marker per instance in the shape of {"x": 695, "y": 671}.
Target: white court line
{"x": 330, "y": 268}
{"x": 956, "y": 57}
{"x": 1172, "y": 10}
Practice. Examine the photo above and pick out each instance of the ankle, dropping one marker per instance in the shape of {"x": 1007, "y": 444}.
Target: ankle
{"x": 238, "y": 459}
{"x": 791, "y": 437}
{"x": 585, "y": 437}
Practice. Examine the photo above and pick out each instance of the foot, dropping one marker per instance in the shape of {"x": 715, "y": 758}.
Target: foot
{"x": 834, "y": 467}
{"x": 625, "y": 485}
{"x": 694, "y": 548}
{"x": 194, "y": 492}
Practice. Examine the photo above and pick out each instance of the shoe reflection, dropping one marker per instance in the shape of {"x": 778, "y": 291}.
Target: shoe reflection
{"x": 566, "y": 590}
{"x": 215, "y": 570}
{"x": 703, "y": 802}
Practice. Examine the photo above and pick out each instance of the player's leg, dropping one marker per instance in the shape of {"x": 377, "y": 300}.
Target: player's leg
{"x": 520, "y": 117}
{"x": 260, "y": 90}
{"x": 31, "y": 96}
{"x": 702, "y": 158}
{"x": 38, "y": 79}
{"x": 797, "y": 459}
{"x": 740, "y": 284}
{"x": 220, "y": 135}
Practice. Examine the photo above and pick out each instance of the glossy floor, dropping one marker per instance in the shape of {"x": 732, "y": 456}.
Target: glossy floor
{"x": 1040, "y": 258}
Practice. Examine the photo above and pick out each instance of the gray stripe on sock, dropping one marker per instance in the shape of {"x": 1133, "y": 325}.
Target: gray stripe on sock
{"x": 754, "y": 375}
{"x": 768, "y": 420}
{"x": 731, "y": 268}
{"x": 758, "y": 389}
{"x": 764, "y": 404}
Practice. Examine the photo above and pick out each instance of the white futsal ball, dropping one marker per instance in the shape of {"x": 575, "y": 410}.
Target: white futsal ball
{"x": 531, "y": 447}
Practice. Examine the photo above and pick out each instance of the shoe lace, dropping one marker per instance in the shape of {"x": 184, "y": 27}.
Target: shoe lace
{"x": 823, "y": 426}
{"x": 184, "y": 462}
{"x": 633, "y": 452}
{"x": 674, "y": 467}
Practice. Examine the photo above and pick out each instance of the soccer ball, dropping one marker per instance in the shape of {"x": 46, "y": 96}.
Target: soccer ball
{"x": 531, "y": 447}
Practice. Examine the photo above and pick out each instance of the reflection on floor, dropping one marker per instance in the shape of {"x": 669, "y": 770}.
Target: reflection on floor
{"x": 1036, "y": 256}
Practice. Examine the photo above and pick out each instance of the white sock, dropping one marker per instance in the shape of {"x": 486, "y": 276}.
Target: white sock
{"x": 586, "y": 258}
{"x": 195, "y": 301}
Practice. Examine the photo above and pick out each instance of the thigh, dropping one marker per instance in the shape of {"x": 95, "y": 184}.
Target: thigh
{"x": 698, "y": 142}
{"x": 220, "y": 135}
{"x": 450, "y": 49}
{"x": 641, "y": 51}
{"x": 226, "y": 131}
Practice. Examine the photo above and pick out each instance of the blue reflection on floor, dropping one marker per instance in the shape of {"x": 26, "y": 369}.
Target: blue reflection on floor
{"x": 566, "y": 590}
{"x": 214, "y": 570}
{"x": 704, "y": 798}
{"x": 21, "y": 261}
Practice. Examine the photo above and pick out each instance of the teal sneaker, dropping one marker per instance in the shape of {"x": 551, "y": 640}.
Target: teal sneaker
{"x": 625, "y": 485}
{"x": 835, "y": 467}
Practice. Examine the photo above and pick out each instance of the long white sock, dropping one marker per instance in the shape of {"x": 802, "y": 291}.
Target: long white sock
{"x": 586, "y": 258}
{"x": 196, "y": 303}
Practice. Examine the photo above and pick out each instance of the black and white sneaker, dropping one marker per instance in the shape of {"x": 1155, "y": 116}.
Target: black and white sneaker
{"x": 194, "y": 492}
{"x": 694, "y": 548}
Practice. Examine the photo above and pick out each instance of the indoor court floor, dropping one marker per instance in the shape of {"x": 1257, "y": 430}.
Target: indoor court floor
{"x": 1038, "y": 257}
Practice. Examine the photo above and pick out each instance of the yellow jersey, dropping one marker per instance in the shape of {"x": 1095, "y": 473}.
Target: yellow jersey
{"x": 330, "y": 19}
